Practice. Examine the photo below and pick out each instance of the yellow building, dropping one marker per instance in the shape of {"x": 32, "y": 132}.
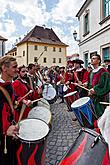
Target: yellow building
{"x": 41, "y": 45}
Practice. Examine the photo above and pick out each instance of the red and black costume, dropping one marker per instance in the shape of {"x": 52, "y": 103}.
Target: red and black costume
{"x": 6, "y": 119}
{"x": 69, "y": 76}
{"x": 21, "y": 88}
{"x": 82, "y": 75}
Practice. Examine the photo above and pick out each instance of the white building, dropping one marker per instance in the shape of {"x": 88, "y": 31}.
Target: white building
{"x": 94, "y": 29}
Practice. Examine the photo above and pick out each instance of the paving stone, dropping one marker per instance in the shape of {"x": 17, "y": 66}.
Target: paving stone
{"x": 63, "y": 134}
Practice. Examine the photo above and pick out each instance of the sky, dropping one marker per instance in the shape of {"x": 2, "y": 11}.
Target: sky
{"x": 18, "y": 17}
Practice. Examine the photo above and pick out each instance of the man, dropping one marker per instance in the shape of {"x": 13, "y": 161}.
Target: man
{"x": 81, "y": 75}
{"x": 21, "y": 88}
{"x": 107, "y": 63}
{"x": 8, "y": 131}
{"x": 99, "y": 84}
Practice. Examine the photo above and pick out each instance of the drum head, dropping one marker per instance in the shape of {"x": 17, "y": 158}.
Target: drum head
{"x": 80, "y": 102}
{"x": 32, "y": 130}
{"x": 43, "y": 103}
{"x": 70, "y": 94}
{"x": 40, "y": 113}
{"x": 49, "y": 92}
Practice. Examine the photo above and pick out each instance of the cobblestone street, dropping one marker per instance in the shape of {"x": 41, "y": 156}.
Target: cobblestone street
{"x": 63, "y": 134}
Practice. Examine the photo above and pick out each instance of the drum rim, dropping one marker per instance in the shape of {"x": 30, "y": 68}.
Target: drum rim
{"x": 47, "y": 103}
{"x": 92, "y": 132}
{"x": 41, "y": 119}
{"x": 82, "y": 104}
{"x": 33, "y": 141}
{"x": 70, "y": 95}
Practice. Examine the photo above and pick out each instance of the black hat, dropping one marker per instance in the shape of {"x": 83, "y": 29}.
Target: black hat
{"x": 62, "y": 67}
{"x": 107, "y": 60}
{"x": 78, "y": 61}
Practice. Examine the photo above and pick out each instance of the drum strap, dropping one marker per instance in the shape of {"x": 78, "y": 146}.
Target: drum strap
{"x": 7, "y": 96}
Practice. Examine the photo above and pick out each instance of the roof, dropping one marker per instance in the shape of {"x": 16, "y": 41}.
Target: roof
{"x": 42, "y": 35}
{"x": 86, "y": 3}
{"x": 12, "y": 50}
{"x": 2, "y": 38}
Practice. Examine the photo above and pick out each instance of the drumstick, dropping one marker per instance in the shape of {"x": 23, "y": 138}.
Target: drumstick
{"x": 82, "y": 87}
{"x": 36, "y": 100}
{"x": 22, "y": 111}
{"x": 104, "y": 103}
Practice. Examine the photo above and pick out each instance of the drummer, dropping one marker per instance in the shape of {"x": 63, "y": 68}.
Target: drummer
{"x": 8, "y": 68}
{"x": 99, "y": 84}
{"x": 69, "y": 80}
{"x": 61, "y": 90}
{"x": 21, "y": 88}
{"x": 81, "y": 75}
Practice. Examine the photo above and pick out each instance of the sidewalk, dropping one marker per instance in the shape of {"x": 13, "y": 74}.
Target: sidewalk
{"x": 63, "y": 134}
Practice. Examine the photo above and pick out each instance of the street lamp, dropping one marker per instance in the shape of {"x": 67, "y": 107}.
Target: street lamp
{"x": 75, "y": 36}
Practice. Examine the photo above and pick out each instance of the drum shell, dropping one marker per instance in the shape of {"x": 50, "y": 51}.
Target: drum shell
{"x": 85, "y": 114}
{"x": 82, "y": 152}
{"x": 31, "y": 153}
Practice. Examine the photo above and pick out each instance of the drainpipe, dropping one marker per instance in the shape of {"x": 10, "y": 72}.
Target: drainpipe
{"x": 27, "y": 52}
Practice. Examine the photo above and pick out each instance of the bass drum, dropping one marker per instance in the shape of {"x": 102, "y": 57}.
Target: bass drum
{"x": 49, "y": 93}
{"x": 89, "y": 148}
{"x": 43, "y": 103}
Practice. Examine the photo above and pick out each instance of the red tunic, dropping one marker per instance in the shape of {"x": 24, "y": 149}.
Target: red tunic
{"x": 21, "y": 88}
{"x": 69, "y": 76}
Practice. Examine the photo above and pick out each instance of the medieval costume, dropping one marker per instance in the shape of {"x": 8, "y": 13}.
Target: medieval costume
{"x": 21, "y": 88}
{"x": 99, "y": 79}
{"x": 81, "y": 75}
{"x": 6, "y": 119}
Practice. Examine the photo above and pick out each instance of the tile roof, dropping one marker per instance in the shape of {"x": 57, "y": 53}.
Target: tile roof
{"x": 42, "y": 35}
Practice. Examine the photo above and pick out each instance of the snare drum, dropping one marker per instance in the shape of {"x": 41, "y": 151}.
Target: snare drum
{"x": 32, "y": 135}
{"x": 43, "y": 103}
{"x": 84, "y": 111}
{"x": 41, "y": 113}
{"x": 49, "y": 93}
{"x": 89, "y": 148}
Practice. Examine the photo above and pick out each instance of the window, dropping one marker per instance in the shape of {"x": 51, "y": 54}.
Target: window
{"x": 59, "y": 49}
{"x": 45, "y": 48}
{"x": 45, "y": 60}
{"x": 86, "y": 24}
{"x": 86, "y": 59}
{"x": 35, "y": 59}
{"x": 35, "y": 47}
{"x": 54, "y": 49}
{"x": 59, "y": 60}
{"x": 54, "y": 60}
{"x": 24, "y": 53}
{"x": 106, "y": 8}
{"x": 15, "y": 53}
{"x": 106, "y": 53}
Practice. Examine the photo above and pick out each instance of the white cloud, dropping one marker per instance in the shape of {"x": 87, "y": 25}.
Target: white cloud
{"x": 65, "y": 9}
{"x": 34, "y": 12}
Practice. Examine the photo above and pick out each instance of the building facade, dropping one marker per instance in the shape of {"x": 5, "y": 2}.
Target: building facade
{"x": 94, "y": 29}
{"x": 41, "y": 45}
{"x": 2, "y": 46}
